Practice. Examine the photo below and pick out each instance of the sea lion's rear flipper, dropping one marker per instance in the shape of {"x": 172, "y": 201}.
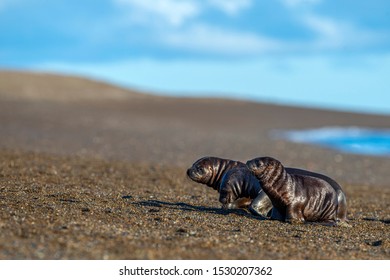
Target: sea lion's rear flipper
{"x": 341, "y": 207}
{"x": 261, "y": 205}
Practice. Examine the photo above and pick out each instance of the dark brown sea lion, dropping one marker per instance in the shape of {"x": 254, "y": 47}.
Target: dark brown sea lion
{"x": 237, "y": 186}
{"x": 299, "y": 197}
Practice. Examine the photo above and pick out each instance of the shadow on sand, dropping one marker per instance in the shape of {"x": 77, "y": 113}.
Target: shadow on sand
{"x": 188, "y": 207}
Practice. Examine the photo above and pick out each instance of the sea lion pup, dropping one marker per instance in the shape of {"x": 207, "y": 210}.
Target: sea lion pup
{"x": 237, "y": 186}
{"x": 306, "y": 197}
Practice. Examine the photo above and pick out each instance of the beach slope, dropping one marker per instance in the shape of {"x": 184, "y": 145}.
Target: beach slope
{"x": 93, "y": 171}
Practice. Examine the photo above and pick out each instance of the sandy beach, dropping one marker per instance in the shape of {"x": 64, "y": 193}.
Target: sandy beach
{"x": 93, "y": 171}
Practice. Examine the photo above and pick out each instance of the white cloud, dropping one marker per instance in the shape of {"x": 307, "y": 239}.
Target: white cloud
{"x": 173, "y": 12}
{"x": 297, "y": 3}
{"x": 231, "y": 7}
{"x": 179, "y": 25}
{"x": 212, "y": 39}
{"x": 328, "y": 35}
{"x": 6, "y": 3}
{"x": 329, "y": 32}
{"x": 336, "y": 34}
{"x": 178, "y": 12}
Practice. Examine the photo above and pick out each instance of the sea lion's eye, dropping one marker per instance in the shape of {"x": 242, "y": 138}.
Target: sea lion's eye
{"x": 199, "y": 170}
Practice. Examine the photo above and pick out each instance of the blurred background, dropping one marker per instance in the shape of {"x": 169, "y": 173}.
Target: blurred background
{"x": 90, "y": 170}
{"x": 317, "y": 53}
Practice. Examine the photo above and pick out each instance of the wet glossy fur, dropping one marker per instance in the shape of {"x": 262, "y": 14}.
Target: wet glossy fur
{"x": 237, "y": 186}
{"x": 299, "y": 195}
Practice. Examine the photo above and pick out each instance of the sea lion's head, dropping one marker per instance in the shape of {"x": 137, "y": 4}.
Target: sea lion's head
{"x": 202, "y": 170}
{"x": 261, "y": 166}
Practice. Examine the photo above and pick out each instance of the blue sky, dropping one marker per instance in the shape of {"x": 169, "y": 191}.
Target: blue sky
{"x": 323, "y": 53}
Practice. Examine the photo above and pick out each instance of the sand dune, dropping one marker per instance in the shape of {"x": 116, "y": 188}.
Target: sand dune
{"x": 41, "y": 86}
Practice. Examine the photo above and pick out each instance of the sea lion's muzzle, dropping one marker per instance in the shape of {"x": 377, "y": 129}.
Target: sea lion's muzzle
{"x": 192, "y": 174}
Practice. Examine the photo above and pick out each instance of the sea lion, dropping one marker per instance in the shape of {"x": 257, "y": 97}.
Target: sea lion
{"x": 237, "y": 186}
{"x": 299, "y": 197}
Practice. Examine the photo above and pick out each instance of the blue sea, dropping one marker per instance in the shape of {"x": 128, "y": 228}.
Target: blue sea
{"x": 355, "y": 140}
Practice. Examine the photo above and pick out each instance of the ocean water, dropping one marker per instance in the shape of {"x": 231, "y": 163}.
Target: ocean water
{"x": 356, "y": 140}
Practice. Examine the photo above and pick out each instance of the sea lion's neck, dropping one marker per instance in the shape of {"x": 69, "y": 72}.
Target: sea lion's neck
{"x": 274, "y": 179}
{"x": 253, "y": 188}
{"x": 220, "y": 166}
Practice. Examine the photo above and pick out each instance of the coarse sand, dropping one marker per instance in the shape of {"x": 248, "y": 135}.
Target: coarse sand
{"x": 90, "y": 176}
